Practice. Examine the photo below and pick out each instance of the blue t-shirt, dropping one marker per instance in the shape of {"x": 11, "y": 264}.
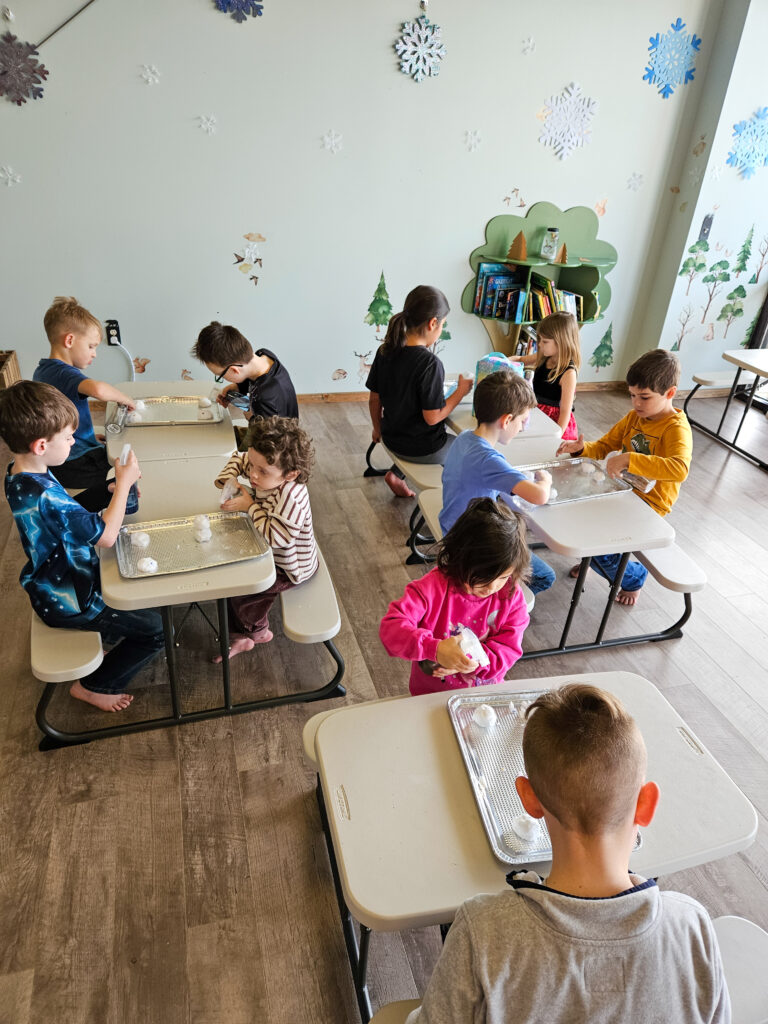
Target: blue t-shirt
{"x": 62, "y": 572}
{"x": 68, "y": 379}
{"x": 473, "y": 469}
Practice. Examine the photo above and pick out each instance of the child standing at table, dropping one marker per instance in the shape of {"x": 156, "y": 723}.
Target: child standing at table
{"x": 60, "y": 538}
{"x": 557, "y": 362}
{"x": 74, "y": 335}
{"x": 407, "y": 403}
{"x": 652, "y": 441}
{"x": 258, "y": 374}
{"x": 475, "y": 585}
{"x": 277, "y": 463}
{"x": 475, "y": 469}
{"x": 592, "y": 941}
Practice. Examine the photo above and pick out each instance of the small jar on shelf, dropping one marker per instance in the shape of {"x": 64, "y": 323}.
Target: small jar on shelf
{"x": 548, "y": 249}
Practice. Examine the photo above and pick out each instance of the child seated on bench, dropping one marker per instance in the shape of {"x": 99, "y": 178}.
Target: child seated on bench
{"x": 60, "y": 538}
{"x": 592, "y": 941}
{"x": 475, "y": 585}
{"x": 652, "y": 441}
{"x": 277, "y": 461}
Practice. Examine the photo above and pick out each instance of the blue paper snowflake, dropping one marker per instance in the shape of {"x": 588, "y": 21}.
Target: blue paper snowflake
{"x": 671, "y": 58}
{"x": 750, "y": 150}
{"x": 239, "y": 9}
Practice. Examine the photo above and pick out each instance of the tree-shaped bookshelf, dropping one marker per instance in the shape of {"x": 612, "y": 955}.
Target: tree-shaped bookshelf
{"x": 515, "y": 241}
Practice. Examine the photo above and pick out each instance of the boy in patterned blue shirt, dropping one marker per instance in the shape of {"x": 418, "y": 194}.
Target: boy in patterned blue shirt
{"x": 60, "y": 538}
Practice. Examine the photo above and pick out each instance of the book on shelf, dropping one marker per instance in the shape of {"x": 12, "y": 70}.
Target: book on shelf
{"x": 484, "y": 270}
{"x": 501, "y": 302}
{"x": 492, "y": 284}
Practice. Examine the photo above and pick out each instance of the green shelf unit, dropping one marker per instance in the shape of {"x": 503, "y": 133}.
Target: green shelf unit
{"x": 589, "y": 260}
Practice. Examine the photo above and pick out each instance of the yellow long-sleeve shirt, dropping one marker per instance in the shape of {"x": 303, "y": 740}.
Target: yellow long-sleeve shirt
{"x": 658, "y": 449}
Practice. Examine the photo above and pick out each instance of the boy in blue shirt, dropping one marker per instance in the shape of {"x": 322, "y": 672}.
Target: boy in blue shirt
{"x": 74, "y": 335}
{"x": 474, "y": 469}
{"x": 60, "y": 538}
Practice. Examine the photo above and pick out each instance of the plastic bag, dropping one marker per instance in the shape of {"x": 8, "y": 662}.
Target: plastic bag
{"x": 230, "y": 490}
{"x": 471, "y": 646}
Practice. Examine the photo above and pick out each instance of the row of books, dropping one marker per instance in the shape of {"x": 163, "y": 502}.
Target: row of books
{"x": 501, "y": 294}
{"x": 549, "y": 299}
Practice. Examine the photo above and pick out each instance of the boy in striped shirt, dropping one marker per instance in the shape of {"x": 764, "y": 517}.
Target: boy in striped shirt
{"x": 276, "y": 462}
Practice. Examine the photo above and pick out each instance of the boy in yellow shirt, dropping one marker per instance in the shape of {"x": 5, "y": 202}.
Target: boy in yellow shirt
{"x": 654, "y": 441}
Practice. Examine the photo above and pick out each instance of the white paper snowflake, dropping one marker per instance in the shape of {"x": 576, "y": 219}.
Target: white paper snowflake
{"x": 420, "y": 49}
{"x": 333, "y": 141}
{"x": 9, "y": 177}
{"x": 529, "y": 46}
{"x": 150, "y": 74}
{"x": 671, "y": 57}
{"x": 251, "y": 253}
{"x": 208, "y": 123}
{"x": 715, "y": 172}
{"x": 635, "y": 181}
{"x": 568, "y": 120}
{"x": 695, "y": 175}
{"x": 750, "y": 148}
{"x": 21, "y": 74}
{"x": 472, "y": 139}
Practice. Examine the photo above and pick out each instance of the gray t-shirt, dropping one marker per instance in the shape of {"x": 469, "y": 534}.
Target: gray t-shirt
{"x": 532, "y": 955}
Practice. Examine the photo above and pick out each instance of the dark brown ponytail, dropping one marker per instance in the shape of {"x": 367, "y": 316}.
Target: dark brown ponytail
{"x": 421, "y": 304}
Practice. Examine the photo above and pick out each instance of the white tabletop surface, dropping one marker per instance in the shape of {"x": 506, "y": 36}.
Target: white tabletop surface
{"x": 537, "y": 443}
{"x": 177, "y": 442}
{"x": 175, "y": 488}
{"x": 754, "y": 359}
{"x": 408, "y": 837}
{"x": 611, "y": 524}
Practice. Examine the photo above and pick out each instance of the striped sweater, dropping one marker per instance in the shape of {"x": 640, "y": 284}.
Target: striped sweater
{"x": 284, "y": 517}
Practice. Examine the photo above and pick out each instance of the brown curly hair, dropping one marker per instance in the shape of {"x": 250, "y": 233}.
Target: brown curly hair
{"x": 283, "y": 443}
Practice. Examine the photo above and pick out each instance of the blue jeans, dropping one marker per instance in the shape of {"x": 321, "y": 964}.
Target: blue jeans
{"x": 607, "y": 565}
{"x": 138, "y": 637}
{"x": 542, "y": 575}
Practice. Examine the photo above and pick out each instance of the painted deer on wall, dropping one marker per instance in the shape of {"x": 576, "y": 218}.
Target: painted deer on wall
{"x": 363, "y": 367}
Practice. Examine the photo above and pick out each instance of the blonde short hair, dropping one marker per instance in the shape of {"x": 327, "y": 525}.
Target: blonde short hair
{"x": 584, "y": 757}
{"x": 65, "y": 315}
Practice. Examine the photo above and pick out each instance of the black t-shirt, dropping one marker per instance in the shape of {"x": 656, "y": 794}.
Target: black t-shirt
{"x": 272, "y": 394}
{"x": 408, "y": 381}
{"x": 548, "y": 391}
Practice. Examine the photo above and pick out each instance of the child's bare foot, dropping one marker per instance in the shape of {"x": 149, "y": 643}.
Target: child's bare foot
{"x": 104, "y": 701}
{"x": 574, "y": 571}
{"x": 239, "y": 644}
{"x": 628, "y": 597}
{"x": 398, "y": 486}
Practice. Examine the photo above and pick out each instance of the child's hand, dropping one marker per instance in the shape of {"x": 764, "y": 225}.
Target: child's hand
{"x": 542, "y": 476}
{"x": 464, "y": 385}
{"x": 376, "y": 435}
{"x": 571, "y": 447}
{"x": 126, "y": 400}
{"x": 225, "y": 391}
{"x": 450, "y": 656}
{"x": 128, "y": 473}
{"x": 616, "y": 464}
{"x": 240, "y": 503}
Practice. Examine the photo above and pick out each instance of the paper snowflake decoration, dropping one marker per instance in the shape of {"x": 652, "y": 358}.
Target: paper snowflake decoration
{"x": 750, "y": 148}
{"x": 21, "y": 75}
{"x": 695, "y": 175}
{"x": 715, "y": 172}
{"x": 529, "y": 46}
{"x": 472, "y": 139}
{"x": 252, "y": 253}
{"x": 635, "y": 182}
{"x": 420, "y": 49}
{"x": 239, "y": 9}
{"x": 208, "y": 123}
{"x": 671, "y": 58}
{"x": 150, "y": 74}
{"x": 9, "y": 177}
{"x": 333, "y": 141}
{"x": 567, "y": 120}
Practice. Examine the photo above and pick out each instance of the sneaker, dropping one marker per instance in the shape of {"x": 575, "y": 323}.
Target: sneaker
{"x": 398, "y": 486}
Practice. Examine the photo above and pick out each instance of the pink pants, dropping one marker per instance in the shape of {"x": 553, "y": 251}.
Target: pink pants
{"x": 571, "y": 432}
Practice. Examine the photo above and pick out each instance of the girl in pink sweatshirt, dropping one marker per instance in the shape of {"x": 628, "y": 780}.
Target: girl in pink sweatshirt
{"x": 482, "y": 559}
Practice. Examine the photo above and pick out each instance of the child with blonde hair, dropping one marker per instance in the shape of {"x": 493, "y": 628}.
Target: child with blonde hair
{"x": 557, "y": 362}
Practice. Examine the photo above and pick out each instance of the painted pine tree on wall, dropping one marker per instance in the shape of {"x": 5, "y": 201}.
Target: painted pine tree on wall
{"x": 744, "y": 253}
{"x": 603, "y": 354}
{"x": 380, "y": 309}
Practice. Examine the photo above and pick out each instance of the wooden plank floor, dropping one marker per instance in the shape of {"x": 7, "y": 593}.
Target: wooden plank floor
{"x": 181, "y": 876}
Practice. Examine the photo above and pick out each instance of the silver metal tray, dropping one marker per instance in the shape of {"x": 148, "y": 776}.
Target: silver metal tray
{"x": 572, "y": 483}
{"x": 172, "y": 411}
{"x": 493, "y": 757}
{"x": 173, "y": 546}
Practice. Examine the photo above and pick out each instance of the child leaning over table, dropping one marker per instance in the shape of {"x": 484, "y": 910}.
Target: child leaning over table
{"x": 276, "y": 462}
{"x": 592, "y": 941}
{"x": 481, "y": 561}
{"x": 652, "y": 441}
{"x": 60, "y": 537}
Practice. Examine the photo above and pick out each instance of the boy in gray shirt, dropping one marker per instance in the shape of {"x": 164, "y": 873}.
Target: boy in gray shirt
{"x": 590, "y": 942}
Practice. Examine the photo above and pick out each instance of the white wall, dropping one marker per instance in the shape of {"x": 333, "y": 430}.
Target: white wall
{"x": 126, "y": 203}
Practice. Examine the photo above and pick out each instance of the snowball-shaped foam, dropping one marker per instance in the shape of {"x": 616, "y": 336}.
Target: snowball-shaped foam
{"x": 588, "y": 468}
{"x": 140, "y": 404}
{"x": 203, "y": 536}
{"x": 140, "y": 540}
{"x": 205, "y": 414}
{"x": 146, "y": 565}
{"x": 201, "y": 522}
{"x": 203, "y": 402}
{"x": 552, "y": 493}
{"x": 525, "y": 827}
{"x": 134, "y": 417}
{"x": 484, "y": 716}
{"x": 599, "y": 476}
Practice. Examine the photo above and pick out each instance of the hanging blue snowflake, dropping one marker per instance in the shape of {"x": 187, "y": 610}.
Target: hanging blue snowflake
{"x": 750, "y": 150}
{"x": 671, "y": 59}
{"x": 239, "y": 9}
{"x": 420, "y": 49}
{"x": 21, "y": 75}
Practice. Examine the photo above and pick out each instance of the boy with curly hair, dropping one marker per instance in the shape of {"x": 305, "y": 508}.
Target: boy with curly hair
{"x": 276, "y": 462}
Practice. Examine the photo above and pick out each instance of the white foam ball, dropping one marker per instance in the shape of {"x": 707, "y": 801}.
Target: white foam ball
{"x": 201, "y": 522}
{"x": 140, "y": 540}
{"x": 552, "y": 493}
{"x": 526, "y": 827}
{"x": 148, "y": 565}
{"x": 588, "y": 468}
{"x": 203, "y": 402}
{"x": 134, "y": 417}
{"x": 484, "y": 716}
{"x": 140, "y": 404}
{"x": 599, "y": 476}
{"x": 203, "y": 536}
